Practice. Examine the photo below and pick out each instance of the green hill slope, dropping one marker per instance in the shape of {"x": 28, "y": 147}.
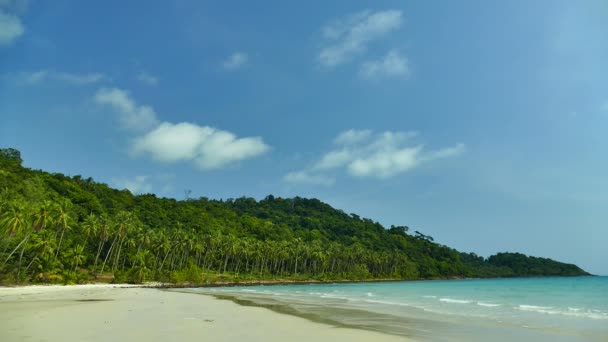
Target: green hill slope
{"x": 56, "y": 228}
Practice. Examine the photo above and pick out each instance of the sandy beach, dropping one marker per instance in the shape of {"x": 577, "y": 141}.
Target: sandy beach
{"x": 122, "y": 313}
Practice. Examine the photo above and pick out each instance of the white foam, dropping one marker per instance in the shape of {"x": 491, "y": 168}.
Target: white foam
{"x": 490, "y": 305}
{"x": 429, "y": 296}
{"x": 456, "y": 301}
{"x": 534, "y": 307}
{"x": 573, "y": 312}
{"x": 385, "y": 302}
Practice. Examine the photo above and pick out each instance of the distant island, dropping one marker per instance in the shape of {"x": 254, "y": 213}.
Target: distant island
{"x": 60, "y": 229}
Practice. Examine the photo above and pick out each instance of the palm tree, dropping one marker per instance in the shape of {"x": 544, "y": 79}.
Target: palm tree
{"x": 90, "y": 227}
{"x": 76, "y": 256}
{"x": 44, "y": 246}
{"x": 15, "y": 221}
{"x": 43, "y": 216}
{"x": 104, "y": 231}
{"x": 63, "y": 220}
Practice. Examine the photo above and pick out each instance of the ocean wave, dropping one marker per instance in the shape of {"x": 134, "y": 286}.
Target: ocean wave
{"x": 490, "y": 305}
{"x": 429, "y": 296}
{"x": 534, "y": 307}
{"x": 572, "y": 312}
{"x": 385, "y": 302}
{"x": 456, "y": 301}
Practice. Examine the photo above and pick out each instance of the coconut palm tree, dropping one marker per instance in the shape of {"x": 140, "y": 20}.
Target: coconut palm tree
{"x": 104, "y": 232}
{"x": 16, "y": 221}
{"x": 63, "y": 220}
{"x": 76, "y": 256}
{"x": 90, "y": 227}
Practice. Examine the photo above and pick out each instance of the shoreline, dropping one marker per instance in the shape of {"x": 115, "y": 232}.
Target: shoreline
{"x": 110, "y": 312}
{"x": 268, "y": 282}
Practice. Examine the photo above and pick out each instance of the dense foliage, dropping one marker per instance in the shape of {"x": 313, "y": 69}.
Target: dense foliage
{"x": 56, "y": 228}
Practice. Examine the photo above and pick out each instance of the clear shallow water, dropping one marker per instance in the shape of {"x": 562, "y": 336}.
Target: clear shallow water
{"x": 555, "y": 309}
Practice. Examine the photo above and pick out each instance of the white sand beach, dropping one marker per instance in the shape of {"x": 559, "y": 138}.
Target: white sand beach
{"x": 125, "y": 313}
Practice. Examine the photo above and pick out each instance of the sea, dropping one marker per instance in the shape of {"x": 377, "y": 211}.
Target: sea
{"x": 518, "y": 309}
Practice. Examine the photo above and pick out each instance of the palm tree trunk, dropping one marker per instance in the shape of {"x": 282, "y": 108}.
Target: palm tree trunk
{"x": 19, "y": 269}
{"x": 59, "y": 245}
{"x": 108, "y": 255}
{"x": 16, "y": 248}
{"x": 99, "y": 249}
{"x": 226, "y": 262}
{"x": 30, "y": 264}
{"x": 118, "y": 254}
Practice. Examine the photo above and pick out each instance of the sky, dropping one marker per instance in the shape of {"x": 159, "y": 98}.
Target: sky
{"x": 480, "y": 123}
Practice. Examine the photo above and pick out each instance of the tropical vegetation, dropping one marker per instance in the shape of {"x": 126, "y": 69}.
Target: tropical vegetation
{"x": 57, "y": 228}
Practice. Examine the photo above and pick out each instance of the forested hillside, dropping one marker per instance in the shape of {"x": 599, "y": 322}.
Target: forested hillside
{"x": 56, "y": 228}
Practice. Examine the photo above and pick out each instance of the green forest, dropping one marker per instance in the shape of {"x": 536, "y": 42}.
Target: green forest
{"x": 60, "y": 229}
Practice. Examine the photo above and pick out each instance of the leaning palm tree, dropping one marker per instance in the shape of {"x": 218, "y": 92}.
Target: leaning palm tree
{"x": 104, "y": 232}
{"x": 15, "y": 221}
{"x": 44, "y": 247}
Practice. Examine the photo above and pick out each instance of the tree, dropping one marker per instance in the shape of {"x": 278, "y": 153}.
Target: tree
{"x": 63, "y": 220}
{"x": 16, "y": 221}
{"x": 10, "y": 157}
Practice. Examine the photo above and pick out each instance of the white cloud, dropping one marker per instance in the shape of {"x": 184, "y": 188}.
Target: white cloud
{"x": 363, "y": 154}
{"x": 208, "y": 147}
{"x": 148, "y": 79}
{"x": 386, "y": 162}
{"x": 11, "y": 28}
{"x": 352, "y": 136}
{"x": 350, "y": 36}
{"x": 334, "y": 159}
{"x": 132, "y": 115}
{"x": 392, "y": 65}
{"x": 71, "y": 78}
{"x": 235, "y": 61}
{"x": 304, "y": 177}
{"x": 136, "y": 185}
{"x": 446, "y": 152}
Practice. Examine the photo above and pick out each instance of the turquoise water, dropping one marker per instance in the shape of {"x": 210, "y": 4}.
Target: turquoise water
{"x": 552, "y": 309}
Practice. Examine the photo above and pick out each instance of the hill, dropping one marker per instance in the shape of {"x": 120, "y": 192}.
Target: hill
{"x": 56, "y": 228}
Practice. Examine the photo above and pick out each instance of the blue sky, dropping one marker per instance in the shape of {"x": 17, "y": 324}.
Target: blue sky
{"x": 480, "y": 123}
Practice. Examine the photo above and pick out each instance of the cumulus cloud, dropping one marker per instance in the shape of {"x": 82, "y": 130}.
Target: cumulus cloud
{"x": 235, "y": 61}
{"x": 136, "y": 185}
{"x": 334, "y": 159}
{"x": 393, "y": 65}
{"x": 148, "y": 79}
{"x": 351, "y": 36}
{"x": 207, "y": 147}
{"x": 363, "y": 154}
{"x": 305, "y": 177}
{"x": 11, "y": 28}
{"x": 71, "y": 78}
{"x": 132, "y": 116}
{"x": 385, "y": 163}
{"x": 352, "y": 136}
